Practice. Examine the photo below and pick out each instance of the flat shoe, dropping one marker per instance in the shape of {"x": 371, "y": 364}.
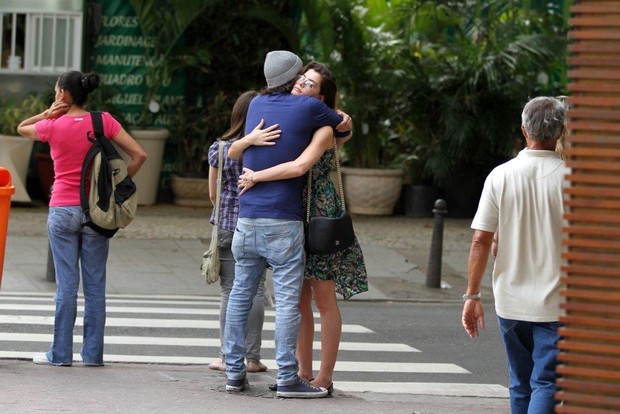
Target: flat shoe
{"x": 255, "y": 366}
{"x": 93, "y": 365}
{"x": 329, "y": 388}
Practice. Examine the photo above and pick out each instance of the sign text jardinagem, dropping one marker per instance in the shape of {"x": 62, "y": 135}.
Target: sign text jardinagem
{"x": 119, "y": 58}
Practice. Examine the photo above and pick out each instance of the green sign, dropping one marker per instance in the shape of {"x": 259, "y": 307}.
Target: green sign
{"x": 119, "y": 58}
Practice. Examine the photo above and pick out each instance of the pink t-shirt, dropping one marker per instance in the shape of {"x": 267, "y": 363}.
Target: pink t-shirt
{"x": 68, "y": 147}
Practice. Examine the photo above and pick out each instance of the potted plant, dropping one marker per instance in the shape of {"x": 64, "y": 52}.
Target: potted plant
{"x": 15, "y": 150}
{"x": 365, "y": 61}
{"x": 419, "y": 192}
{"x": 196, "y": 128}
{"x": 471, "y": 70}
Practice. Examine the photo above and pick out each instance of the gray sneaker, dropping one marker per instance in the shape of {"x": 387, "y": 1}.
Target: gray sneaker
{"x": 237, "y": 385}
{"x": 301, "y": 389}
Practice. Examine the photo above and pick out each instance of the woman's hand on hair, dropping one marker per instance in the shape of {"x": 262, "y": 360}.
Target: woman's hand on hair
{"x": 246, "y": 180}
{"x": 262, "y": 137}
{"x": 56, "y": 110}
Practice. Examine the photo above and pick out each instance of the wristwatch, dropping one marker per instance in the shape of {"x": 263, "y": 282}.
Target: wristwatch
{"x": 474, "y": 296}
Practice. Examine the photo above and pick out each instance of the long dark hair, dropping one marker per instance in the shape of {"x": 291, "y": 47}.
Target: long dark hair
{"x": 237, "y": 117}
{"x": 329, "y": 89}
{"x": 79, "y": 85}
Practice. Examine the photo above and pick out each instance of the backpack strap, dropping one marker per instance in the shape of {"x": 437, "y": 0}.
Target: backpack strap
{"x": 88, "y": 159}
{"x": 97, "y": 120}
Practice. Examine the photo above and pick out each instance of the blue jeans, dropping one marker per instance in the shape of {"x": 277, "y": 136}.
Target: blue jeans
{"x": 532, "y": 358}
{"x": 73, "y": 244}
{"x": 256, "y": 244}
{"x": 256, "y": 316}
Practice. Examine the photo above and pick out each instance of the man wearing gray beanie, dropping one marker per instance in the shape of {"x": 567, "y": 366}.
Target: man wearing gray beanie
{"x": 270, "y": 229}
{"x": 281, "y": 67}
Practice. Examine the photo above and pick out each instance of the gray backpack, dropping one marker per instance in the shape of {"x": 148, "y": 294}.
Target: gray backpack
{"x": 112, "y": 200}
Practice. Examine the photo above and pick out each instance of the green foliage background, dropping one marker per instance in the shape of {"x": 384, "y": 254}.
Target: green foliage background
{"x": 433, "y": 86}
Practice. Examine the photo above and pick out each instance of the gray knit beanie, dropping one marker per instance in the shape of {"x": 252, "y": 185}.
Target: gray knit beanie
{"x": 281, "y": 67}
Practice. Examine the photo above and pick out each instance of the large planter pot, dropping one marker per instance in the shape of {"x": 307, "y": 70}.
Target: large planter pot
{"x": 45, "y": 169}
{"x": 190, "y": 191}
{"x": 147, "y": 180}
{"x": 15, "y": 157}
{"x": 463, "y": 195}
{"x": 372, "y": 191}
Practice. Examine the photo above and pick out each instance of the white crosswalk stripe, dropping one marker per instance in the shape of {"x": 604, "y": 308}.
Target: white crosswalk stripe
{"x": 427, "y": 388}
{"x": 153, "y": 323}
{"x": 26, "y": 321}
{"x": 204, "y": 342}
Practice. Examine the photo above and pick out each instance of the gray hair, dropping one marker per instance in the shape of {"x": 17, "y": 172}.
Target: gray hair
{"x": 543, "y": 118}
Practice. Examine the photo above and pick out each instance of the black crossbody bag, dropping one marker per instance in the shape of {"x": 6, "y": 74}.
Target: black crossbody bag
{"x": 327, "y": 235}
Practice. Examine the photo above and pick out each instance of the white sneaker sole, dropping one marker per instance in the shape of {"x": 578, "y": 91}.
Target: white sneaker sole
{"x": 306, "y": 395}
{"x": 234, "y": 388}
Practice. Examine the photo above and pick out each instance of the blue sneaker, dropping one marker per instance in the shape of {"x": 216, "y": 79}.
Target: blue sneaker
{"x": 237, "y": 385}
{"x": 300, "y": 389}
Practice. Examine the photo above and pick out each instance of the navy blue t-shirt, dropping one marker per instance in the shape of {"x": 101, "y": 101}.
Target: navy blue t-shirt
{"x": 298, "y": 117}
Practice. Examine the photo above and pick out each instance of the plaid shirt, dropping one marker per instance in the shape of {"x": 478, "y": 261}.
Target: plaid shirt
{"x": 229, "y": 201}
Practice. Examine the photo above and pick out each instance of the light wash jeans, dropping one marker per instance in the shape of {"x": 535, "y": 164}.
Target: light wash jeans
{"x": 256, "y": 244}
{"x": 532, "y": 358}
{"x": 73, "y": 245}
{"x": 256, "y": 316}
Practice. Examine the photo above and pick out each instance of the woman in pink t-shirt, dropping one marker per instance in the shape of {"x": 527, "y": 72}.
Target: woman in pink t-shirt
{"x": 65, "y": 126}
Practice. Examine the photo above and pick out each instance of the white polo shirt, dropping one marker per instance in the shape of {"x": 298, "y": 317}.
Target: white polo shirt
{"x": 522, "y": 201}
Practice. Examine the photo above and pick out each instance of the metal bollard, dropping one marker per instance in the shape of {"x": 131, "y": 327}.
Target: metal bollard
{"x": 433, "y": 273}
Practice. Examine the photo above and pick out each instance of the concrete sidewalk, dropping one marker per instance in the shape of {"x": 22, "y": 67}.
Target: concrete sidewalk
{"x": 148, "y": 388}
{"x": 159, "y": 254}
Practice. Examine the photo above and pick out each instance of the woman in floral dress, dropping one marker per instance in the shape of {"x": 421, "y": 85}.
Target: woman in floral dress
{"x": 343, "y": 272}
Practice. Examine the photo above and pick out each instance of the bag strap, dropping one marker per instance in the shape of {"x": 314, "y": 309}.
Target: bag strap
{"x": 340, "y": 187}
{"x": 88, "y": 159}
{"x": 90, "y": 156}
{"x": 97, "y": 120}
{"x": 220, "y": 167}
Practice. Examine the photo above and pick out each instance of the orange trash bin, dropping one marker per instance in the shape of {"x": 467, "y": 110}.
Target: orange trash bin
{"x": 6, "y": 191}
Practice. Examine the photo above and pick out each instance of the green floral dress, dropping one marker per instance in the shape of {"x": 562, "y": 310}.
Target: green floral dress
{"x": 347, "y": 267}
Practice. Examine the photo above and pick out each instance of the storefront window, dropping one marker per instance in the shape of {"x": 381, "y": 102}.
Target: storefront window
{"x": 35, "y": 42}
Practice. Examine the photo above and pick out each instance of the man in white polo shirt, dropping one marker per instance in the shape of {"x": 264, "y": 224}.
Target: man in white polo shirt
{"x": 522, "y": 203}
